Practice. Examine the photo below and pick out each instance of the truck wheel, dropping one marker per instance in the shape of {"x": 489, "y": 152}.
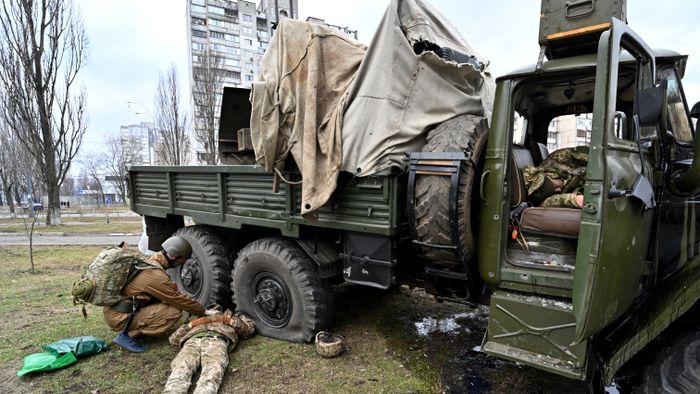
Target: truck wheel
{"x": 677, "y": 369}
{"x": 276, "y": 284}
{"x": 205, "y": 277}
{"x": 432, "y": 206}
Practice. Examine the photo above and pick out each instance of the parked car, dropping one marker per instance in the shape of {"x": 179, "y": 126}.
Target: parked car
{"x": 35, "y": 206}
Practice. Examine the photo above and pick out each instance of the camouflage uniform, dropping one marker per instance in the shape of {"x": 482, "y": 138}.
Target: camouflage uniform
{"x": 164, "y": 302}
{"x": 564, "y": 200}
{"x": 207, "y": 341}
{"x": 563, "y": 172}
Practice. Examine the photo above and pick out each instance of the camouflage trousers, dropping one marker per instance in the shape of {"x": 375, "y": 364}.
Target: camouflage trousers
{"x": 564, "y": 200}
{"x": 213, "y": 355}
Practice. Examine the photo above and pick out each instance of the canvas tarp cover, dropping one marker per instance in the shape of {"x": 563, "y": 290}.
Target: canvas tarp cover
{"x": 298, "y": 101}
{"x": 335, "y": 107}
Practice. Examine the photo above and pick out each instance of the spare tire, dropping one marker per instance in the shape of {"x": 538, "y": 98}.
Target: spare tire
{"x": 468, "y": 134}
{"x": 205, "y": 277}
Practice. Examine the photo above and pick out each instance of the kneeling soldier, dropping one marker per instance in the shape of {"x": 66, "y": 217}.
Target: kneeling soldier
{"x": 152, "y": 304}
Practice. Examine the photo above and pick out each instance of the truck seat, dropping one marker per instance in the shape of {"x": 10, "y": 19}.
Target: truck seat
{"x": 559, "y": 222}
{"x": 521, "y": 158}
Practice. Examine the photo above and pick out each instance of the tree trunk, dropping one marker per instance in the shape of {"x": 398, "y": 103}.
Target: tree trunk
{"x": 31, "y": 249}
{"x": 17, "y": 194}
{"x": 10, "y": 202}
{"x": 122, "y": 194}
{"x": 7, "y": 191}
{"x": 53, "y": 210}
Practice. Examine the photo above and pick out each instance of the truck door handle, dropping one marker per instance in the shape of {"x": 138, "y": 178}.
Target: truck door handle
{"x": 481, "y": 185}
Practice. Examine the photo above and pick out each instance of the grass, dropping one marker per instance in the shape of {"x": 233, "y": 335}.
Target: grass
{"x": 38, "y": 310}
{"x": 385, "y": 355}
{"x": 84, "y": 225}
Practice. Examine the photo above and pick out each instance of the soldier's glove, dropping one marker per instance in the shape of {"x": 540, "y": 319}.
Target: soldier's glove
{"x": 210, "y": 312}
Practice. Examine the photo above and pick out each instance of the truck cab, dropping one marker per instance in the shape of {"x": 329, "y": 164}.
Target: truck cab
{"x": 569, "y": 277}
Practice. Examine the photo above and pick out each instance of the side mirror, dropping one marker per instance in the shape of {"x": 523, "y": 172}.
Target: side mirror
{"x": 695, "y": 112}
{"x": 651, "y": 103}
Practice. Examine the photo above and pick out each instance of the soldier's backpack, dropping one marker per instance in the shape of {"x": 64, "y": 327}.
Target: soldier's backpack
{"x": 106, "y": 276}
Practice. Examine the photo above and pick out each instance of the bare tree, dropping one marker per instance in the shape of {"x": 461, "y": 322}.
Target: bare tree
{"x": 206, "y": 93}
{"x": 92, "y": 170}
{"x": 18, "y": 171}
{"x": 9, "y": 157}
{"x": 30, "y": 217}
{"x": 171, "y": 121}
{"x": 43, "y": 46}
{"x": 115, "y": 163}
{"x": 89, "y": 187}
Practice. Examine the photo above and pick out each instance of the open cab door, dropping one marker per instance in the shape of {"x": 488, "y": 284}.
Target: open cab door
{"x": 616, "y": 222}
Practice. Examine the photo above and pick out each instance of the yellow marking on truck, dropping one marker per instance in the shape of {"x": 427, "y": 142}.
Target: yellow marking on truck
{"x": 435, "y": 162}
{"x": 434, "y": 173}
{"x": 580, "y": 31}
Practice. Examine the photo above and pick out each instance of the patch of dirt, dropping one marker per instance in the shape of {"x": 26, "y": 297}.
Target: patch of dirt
{"x": 449, "y": 336}
{"x": 37, "y": 315}
{"x": 9, "y": 382}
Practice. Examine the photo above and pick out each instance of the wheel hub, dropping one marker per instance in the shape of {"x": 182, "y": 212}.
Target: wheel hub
{"x": 272, "y": 299}
{"x": 191, "y": 276}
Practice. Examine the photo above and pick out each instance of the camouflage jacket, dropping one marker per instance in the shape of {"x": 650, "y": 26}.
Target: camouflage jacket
{"x": 567, "y": 166}
{"x": 183, "y": 333}
{"x": 228, "y": 326}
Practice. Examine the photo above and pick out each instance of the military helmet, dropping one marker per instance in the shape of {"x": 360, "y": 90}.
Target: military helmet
{"x": 177, "y": 247}
{"x": 329, "y": 345}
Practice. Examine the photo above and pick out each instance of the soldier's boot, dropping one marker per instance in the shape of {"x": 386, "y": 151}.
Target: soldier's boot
{"x": 131, "y": 344}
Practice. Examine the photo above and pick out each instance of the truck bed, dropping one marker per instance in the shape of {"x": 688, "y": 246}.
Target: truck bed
{"x": 234, "y": 196}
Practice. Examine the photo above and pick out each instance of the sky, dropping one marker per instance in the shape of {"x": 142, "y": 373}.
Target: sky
{"x": 133, "y": 41}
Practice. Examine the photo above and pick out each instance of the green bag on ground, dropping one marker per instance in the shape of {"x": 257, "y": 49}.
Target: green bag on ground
{"x": 80, "y": 346}
{"x": 46, "y": 361}
{"x": 61, "y": 353}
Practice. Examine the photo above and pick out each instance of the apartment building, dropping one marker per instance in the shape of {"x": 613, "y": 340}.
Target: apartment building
{"x": 139, "y": 142}
{"x": 235, "y": 34}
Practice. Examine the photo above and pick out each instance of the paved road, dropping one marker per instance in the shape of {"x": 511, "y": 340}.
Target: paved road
{"x": 6, "y": 215}
{"x": 59, "y": 239}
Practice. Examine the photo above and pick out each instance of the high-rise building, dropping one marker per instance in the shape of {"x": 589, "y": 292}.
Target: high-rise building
{"x": 139, "y": 143}
{"x": 569, "y": 130}
{"x": 343, "y": 29}
{"x": 235, "y": 34}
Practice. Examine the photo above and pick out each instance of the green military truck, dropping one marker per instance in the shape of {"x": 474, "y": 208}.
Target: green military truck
{"x": 573, "y": 291}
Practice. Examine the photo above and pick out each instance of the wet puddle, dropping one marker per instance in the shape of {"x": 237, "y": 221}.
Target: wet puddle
{"x": 448, "y": 325}
{"x": 458, "y": 338}
{"x": 450, "y": 336}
